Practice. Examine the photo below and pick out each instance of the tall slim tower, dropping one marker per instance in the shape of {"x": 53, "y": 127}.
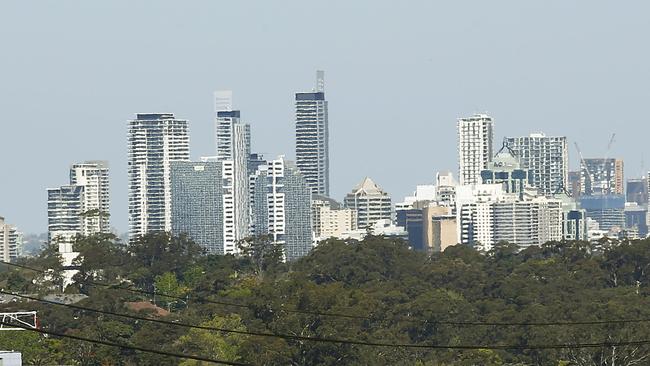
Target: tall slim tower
{"x": 233, "y": 152}
{"x": 155, "y": 140}
{"x": 312, "y": 137}
{"x": 93, "y": 176}
{"x": 545, "y": 157}
{"x": 475, "y": 141}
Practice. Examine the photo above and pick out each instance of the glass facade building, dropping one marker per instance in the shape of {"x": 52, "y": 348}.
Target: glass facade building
{"x": 196, "y": 203}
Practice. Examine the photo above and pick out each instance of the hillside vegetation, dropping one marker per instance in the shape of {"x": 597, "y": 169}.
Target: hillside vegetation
{"x": 373, "y": 291}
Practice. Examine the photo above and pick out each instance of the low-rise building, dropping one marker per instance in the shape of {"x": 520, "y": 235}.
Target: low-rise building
{"x": 330, "y": 219}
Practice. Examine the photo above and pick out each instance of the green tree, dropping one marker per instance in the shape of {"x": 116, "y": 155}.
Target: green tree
{"x": 264, "y": 255}
{"x": 214, "y": 344}
{"x": 167, "y": 284}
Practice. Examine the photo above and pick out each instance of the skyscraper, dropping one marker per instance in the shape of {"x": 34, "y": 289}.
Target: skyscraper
{"x": 601, "y": 176}
{"x": 371, "y": 203}
{"x": 234, "y": 153}
{"x": 93, "y": 176}
{"x": 154, "y": 141}
{"x": 197, "y": 203}
{"x": 546, "y": 158}
{"x": 10, "y": 241}
{"x": 65, "y": 206}
{"x": 637, "y": 191}
{"x": 312, "y": 137}
{"x": 225, "y": 135}
{"x": 281, "y": 207}
{"x": 81, "y": 207}
{"x": 222, "y": 100}
{"x": 475, "y": 141}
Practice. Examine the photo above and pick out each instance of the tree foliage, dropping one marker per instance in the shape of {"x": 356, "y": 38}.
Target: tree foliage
{"x": 402, "y": 296}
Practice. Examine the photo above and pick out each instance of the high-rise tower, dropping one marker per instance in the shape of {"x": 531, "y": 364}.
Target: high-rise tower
{"x": 154, "y": 140}
{"x": 312, "y": 137}
{"x": 475, "y": 141}
{"x": 93, "y": 176}
{"x": 233, "y": 152}
{"x": 80, "y": 208}
{"x": 545, "y": 157}
{"x": 281, "y": 207}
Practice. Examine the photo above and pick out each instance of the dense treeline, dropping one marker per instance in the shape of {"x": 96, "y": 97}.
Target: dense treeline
{"x": 402, "y": 296}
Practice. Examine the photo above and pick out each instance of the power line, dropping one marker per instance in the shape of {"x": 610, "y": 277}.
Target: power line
{"x": 334, "y": 340}
{"x": 359, "y": 317}
{"x": 124, "y": 346}
{"x": 361, "y": 343}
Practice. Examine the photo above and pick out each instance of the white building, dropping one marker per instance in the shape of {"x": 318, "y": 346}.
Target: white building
{"x": 446, "y": 189}
{"x": 475, "y": 141}
{"x": 546, "y": 158}
{"x": 472, "y": 214}
{"x": 423, "y": 193}
{"x": 79, "y": 208}
{"x": 222, "y": 101}
{"x": 281, "y": 207}
{"x": 330, "y": 220}
{"x": 370, "y": 202}
{"x": 312, "y": 137}
{"x": 233, "y": 151}
{"x": 11, "y": 241}
{"x": 154, "y": 141}
{"x": 487, "y": 215}
{"x": 384, "y": 227}
{"x": 93, "y": 176}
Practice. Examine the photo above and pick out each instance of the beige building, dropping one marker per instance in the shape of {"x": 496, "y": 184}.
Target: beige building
{"x": 10, "y": 241}
{"x": 370, "y": 202}
{"x": 439, "y": 228}
{"x": 330, "y": 220}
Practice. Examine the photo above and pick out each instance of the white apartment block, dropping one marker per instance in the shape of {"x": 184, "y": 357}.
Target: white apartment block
{"x": 154, "y": 141}
{"x": 330, "y": 220}
{"x": 487, "y": 215}
{"x": 233, "y": 151}
{"x": 80, "y": 208}
{"x": 11, "y": 241}
{"x": 312, "y": 137}
{"x": 281, "y": 207}
{"x": 370, "y": 202}
{"x": 475, "y": 146}
{"x": 93, "y": 176}
{"x": 545, "y": 157}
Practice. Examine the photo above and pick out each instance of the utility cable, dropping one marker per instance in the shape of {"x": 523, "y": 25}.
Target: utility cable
{"x": 124, "y": 346}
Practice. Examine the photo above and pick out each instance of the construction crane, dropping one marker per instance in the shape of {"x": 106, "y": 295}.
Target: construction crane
{"x": 583, "y": 165}
{"x": 609, "y": 171}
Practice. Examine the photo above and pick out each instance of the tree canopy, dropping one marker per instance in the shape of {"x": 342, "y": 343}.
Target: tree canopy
{"x": 377, "y": 290}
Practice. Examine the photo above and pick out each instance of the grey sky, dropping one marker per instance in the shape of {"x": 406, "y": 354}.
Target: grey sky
{"x": 398, "y": 74}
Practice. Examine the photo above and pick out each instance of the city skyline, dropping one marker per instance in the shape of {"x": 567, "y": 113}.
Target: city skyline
{"x": 76, "y": 123}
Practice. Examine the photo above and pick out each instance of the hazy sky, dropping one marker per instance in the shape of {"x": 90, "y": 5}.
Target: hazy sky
{"x": 398, "y": 74}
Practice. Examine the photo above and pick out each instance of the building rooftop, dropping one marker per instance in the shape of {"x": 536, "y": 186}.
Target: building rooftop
{"x": 367, "y": 186}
